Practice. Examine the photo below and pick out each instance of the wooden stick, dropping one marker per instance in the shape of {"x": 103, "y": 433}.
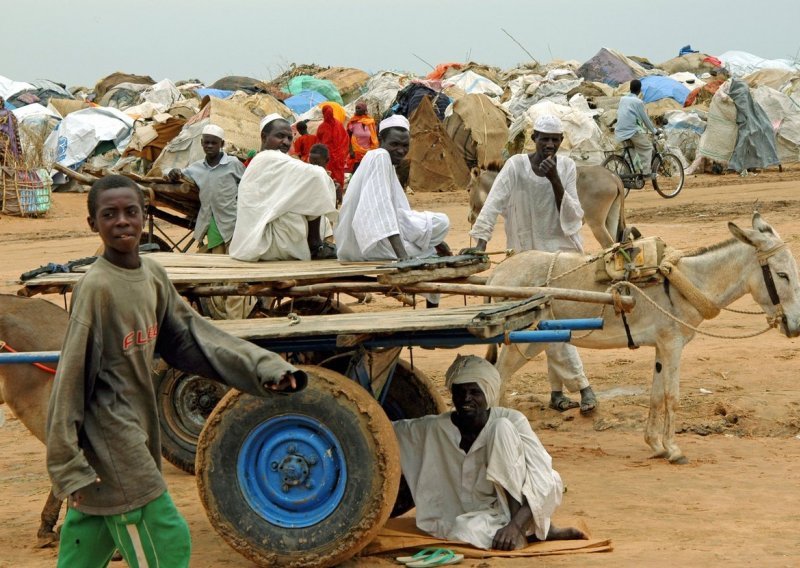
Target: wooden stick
{"x": 77, "y": 176}
{"x": 420, "y": 287}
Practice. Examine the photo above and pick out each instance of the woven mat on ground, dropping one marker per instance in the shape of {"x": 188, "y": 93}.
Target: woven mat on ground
{"x": 402, "y": 533}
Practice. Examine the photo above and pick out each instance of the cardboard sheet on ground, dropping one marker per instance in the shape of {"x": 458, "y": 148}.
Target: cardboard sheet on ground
{"x": 402, "y": 533}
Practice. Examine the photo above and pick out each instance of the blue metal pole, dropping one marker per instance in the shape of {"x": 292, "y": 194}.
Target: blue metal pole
{"x": 573, "y": 324}
{"x": 30, "y": 357}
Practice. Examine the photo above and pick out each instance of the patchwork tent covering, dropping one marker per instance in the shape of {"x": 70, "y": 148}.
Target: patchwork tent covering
{"x": 478, "y": 128}
{"x": 655, "y": 88}
{"x": 611, "y": 67}
{"x": 755, "y": 142}
{"x": 78, "y": 134}
{"x": 435, "y": 163}
{"x": 322, "y": 86}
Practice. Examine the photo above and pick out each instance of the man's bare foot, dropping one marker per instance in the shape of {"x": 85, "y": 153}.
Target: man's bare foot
{"x": 566, "y": 533}
{"x": 510, "y": 537}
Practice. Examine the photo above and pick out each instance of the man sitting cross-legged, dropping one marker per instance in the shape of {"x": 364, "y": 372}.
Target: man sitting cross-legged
{"x": 479, "y": 474}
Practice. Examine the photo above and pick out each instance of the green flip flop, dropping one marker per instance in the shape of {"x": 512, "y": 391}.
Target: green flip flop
{"x": 420, "y": 555}
{"x": 440, "y": 557}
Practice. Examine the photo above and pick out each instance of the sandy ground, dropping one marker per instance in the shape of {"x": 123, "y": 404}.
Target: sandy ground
{"x": 737, "y": 503}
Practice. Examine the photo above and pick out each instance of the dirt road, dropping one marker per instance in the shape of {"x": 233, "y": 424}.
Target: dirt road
{"x": 736, "y": 504}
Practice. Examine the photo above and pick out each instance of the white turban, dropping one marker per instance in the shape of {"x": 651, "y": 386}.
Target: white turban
{"x": 548, "y": 124}
{"x": 394, "y": 121}
{"x": 214, "y": 130}
{"x": 474, "y": 369}
{"x": 269, "y": 118}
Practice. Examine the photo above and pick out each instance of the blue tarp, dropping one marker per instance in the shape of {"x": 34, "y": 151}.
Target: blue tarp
{"x": 216, "y": 93}
{"x": 304, "y": 101}
{"x": 656, "y": 87}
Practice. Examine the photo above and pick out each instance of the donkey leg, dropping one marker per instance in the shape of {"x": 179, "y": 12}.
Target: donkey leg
{"x": 672, "y": 387}
{"x": 653, "y": 434}
{"x": 46, "y": 536}
{"x": 512, "y": 358}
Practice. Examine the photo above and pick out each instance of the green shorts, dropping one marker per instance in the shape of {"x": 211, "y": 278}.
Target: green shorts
{"x": 153, "y": 535}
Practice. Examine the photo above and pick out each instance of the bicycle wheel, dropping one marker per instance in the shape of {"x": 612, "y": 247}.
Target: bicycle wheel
{"x": 669, "y": 175}
{"x": 619, "y": 166}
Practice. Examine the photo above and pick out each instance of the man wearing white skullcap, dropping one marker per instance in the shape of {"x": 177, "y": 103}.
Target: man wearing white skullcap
{"x": 376, "y": 221}
{"x": 282, "y": 201}
{"x": 217, "y": 178}
{"x": 479, "y": 474}
{"x": 536, "y": 195}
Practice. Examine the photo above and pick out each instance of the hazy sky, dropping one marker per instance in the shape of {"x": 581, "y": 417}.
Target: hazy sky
{"x": 80, "y": 41}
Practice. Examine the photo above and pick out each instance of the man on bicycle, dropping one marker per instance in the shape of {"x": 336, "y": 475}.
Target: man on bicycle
{"x": 631, "y": 118}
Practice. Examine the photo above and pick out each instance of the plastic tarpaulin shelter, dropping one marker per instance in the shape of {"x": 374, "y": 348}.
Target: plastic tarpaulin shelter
{"x": 209, "y": 92}
{"x": 308, "y": 83}
{"x": 470, "y": 82}
{"x": 755, "y": 142}
{"x": 435, "y": 163}
{"x": 238, "y": 116}
{"x": 107, "y": 83}
{"x": 79, "y": 133}
{"x": 610, "y": 67}
{"x": 784, "y": 114}
{"x": 479, "y": 130}
{"x": 740, "y": 63}
{"x": 656, "y": 87}
{"x": 9, "y": 87}
{"x": 719, "y": 137}
{"x": 382, "y": 89}
{"x": 304, "y": 101}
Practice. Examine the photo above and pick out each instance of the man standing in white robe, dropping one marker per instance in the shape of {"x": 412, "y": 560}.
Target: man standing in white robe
{"x": 536, "y": 195}
{"x": 376, "y": 221}
{"x": 479, "y": 474}
{"x": 281, "y": 202}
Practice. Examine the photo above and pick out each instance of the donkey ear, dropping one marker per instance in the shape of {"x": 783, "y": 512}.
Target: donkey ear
{"x": 752, "y": 237}
{"x": 762, "y": 226}
{"x": 474, "y": 172}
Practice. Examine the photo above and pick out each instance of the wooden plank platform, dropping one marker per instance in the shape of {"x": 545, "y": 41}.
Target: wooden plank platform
{"x": 187, "y": 270}
{"x": 482, "y": 320}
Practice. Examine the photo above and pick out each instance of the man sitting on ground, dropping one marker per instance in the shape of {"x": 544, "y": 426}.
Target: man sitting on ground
{"x": 281, "y": 201}
{"x": 479, "y": 474}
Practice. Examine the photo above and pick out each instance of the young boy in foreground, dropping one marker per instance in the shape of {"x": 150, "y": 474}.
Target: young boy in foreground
{"x": 103, "y": 445}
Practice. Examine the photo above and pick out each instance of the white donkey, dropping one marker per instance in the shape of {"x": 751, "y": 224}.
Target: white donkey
{"x": 701, "y": 283}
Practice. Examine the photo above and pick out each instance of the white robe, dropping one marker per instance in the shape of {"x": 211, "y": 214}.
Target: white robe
{"x": 461, "y": 496}
{"x": 528, "y": 206}
{"x": 277, "y": 196}
{"x": 376, "y": 207}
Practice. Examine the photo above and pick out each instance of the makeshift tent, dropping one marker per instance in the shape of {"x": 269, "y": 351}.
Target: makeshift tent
{"x": 683, "y": 131}
{"x": 703, "y": 95}
{"x": 42, "y": 91}
{"x": 347, "y": 80}
{"x": 655, "y": 88}
{"x": 80, "y": 132}
{"x": 470, "y": 82}
{"x": 741, "y": 63}
{"x": 150, "y": 140}
{"x": 755, "y": 142}
{"x": 784, "y": 115}
{"x": 411, "y": 96}
{"x": 238, "y": 83}
{"x": 209, "y": 92}
{"x": 382, "y": 89}
{"x": 688, "y": 80}
{"x": 107, "y": 83}
{"x": 304, "y": 101}
{"x": 696, "y": 63}
{"x": 719, "y": 137}
{"x": 610, "y": 67}
{"x": 307, "y": 83}
{"x": 479, "y": 130}
{"x": 775, "y": 78}
{"x": 122, "y": 96}
{"x": 238, "y": 116}
{"x": 9, "y": 87}
{"x": 65, "y": 106}
{"x": 435, "y": 163}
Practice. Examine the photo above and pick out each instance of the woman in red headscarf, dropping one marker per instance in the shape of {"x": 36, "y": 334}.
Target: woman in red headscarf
{"x": 332, "y": 133}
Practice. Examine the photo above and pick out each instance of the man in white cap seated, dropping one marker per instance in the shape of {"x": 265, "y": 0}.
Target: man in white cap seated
{"x": 536, "y": 195}
{"x": 217, "y": 177}
{"x": 376, "y": 221}
{"x": 281, "y": 202}
{"x": 479, "y": 474}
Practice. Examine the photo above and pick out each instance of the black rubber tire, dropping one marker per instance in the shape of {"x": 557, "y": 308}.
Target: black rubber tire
{"x": 669, "y": 175}
{"x": 619, "y": 166}
{"x": 184, "y": 403}
{"x": 369, "y": 449}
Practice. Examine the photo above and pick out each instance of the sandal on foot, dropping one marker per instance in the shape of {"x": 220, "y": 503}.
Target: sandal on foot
{"x": 588, "y": 404}
{"x": 563, "y": 403}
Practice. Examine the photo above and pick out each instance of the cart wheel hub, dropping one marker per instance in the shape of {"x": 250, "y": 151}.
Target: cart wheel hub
{"x": 292, "y": 471}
